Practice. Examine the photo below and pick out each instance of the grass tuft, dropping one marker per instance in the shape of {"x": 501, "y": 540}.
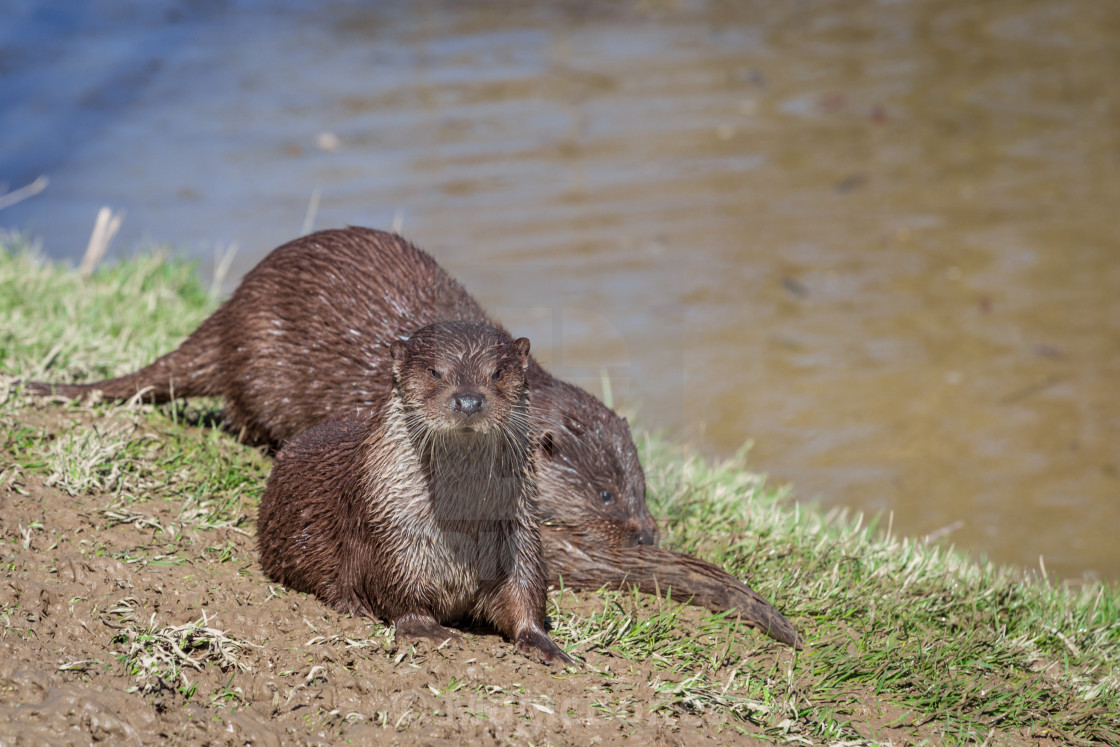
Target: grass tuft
{"x": 158, "y": 657}
{"x": 91, "y": 459}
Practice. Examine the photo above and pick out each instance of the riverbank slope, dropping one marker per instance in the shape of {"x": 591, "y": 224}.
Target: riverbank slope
{"x": 132, "y": 606}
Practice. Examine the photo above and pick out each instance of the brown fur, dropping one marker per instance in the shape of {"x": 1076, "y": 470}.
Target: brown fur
{"x": 580, "y": 561}
{"x": 422, "y": 512}
{"x": 307, "y": 333}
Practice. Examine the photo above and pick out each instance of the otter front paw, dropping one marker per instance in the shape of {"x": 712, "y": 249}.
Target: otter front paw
{"x": 421, "y": 625}
{"x": 537, "y": 643}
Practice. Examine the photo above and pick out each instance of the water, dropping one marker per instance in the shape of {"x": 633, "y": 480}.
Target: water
{"x": 877, "y": 239}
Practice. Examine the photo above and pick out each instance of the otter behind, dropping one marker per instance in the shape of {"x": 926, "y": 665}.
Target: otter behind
{"x": 306, "y": 337}
{"x": 422, "y": 513}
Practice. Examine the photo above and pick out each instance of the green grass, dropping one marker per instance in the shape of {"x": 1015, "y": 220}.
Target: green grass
{"x": 951, "y": 640}
{"x": 946, "y": 648}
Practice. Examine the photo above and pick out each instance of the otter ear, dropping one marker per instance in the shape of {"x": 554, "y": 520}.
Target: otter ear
{"x": 398, "y": 350}
{"x": 521, "y": 347}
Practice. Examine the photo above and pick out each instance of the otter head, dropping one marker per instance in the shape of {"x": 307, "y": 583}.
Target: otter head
{"x": 587, "y": 467}
{"x": 461, "y": 377}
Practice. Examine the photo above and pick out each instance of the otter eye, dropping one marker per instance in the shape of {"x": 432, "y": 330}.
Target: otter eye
{"x": 606, "y": 496}
{"x": 434, "y": 373}
{"x": 497, "y": 375}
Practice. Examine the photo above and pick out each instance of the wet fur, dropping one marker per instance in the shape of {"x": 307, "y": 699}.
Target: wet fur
{"x": 578, "y": 560}
{"x": 306, "y": 336}
{"x": 403, "y": 515}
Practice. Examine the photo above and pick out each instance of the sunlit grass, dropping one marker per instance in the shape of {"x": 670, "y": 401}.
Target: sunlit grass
{"x": 952, "y": 650}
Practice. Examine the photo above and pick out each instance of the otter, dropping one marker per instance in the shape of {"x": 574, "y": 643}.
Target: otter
{"x": 307, "y": 335}
{"x": 421, "y": 512}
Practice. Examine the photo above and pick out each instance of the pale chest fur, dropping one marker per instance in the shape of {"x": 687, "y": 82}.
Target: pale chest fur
{"x": 451, "y": 520}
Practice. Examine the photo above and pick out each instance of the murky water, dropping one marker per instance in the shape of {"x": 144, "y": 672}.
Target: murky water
{"x": 879, "y": 239}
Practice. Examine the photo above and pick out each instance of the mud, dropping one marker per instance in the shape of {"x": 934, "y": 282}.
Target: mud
{"x": 89, "y": 613}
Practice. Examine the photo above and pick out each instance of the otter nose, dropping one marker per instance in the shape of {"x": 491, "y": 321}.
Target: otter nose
{"x": 646, "y": 537}
{"x": 642, "y": 532}
{"x": 468, "y": 403}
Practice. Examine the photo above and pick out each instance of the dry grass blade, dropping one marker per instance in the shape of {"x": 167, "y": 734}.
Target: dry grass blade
{"x": 118, "y": 513}
{"x": 104, "y": 229}
{"x": 19, "y": 195}
{"x": 80, "y": 665}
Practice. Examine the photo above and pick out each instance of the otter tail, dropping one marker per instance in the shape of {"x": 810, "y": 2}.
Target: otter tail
{"x": 582, "y": 562}
{"x": 189, "y": 371}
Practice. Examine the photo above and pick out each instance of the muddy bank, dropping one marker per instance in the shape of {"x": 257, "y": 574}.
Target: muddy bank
{"x": 132, "y": 620}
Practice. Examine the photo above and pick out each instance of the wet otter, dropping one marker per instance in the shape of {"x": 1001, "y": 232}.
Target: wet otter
{"x": 582, "y": 561}
{"x": 423, "y": 511}
{"x": 307, "y": 335}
